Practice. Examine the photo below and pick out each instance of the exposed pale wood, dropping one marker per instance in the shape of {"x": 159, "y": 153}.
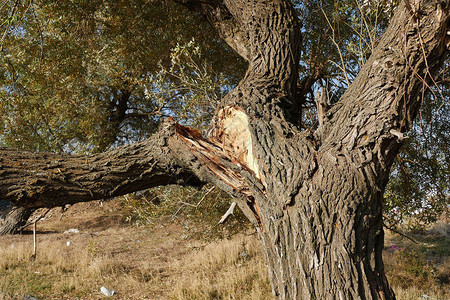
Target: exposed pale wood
{"x": 232, "y": 132}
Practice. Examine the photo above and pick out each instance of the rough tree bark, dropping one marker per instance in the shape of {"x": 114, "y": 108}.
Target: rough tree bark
{"x": 315, "y": 197}
{"x": 15, "y": 220}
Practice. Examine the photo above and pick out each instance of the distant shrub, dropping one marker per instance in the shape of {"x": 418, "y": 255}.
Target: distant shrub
{"x": 198, "y": 210}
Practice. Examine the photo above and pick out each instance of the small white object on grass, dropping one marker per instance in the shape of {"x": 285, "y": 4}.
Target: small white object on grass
{"x": 68, "y": 243}
{"x": 72, "y": 230}
{"x": 106, "y": 291}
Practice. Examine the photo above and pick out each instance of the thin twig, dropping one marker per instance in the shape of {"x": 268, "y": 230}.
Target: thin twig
{"x": 204, "y": 196}
{"x": 178, "y": 210}
{"x": 193, "y": 205}
{"x": 333, "y": 39}
{"x": 401, "y": 233}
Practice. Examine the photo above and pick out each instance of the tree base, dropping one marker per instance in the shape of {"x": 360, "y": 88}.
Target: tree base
{"x": 14, "y": 220}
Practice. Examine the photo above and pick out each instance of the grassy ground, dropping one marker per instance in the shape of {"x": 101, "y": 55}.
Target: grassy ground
{"x": 169, "y": 260}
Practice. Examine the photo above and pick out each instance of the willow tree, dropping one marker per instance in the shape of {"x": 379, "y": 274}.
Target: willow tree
{"x": 315, "y": 196}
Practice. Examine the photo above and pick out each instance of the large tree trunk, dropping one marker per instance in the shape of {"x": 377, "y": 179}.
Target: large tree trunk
{"x": 328, "y": 243}
{"x": 315, "y": 197}
{"x": 319, "y": 206}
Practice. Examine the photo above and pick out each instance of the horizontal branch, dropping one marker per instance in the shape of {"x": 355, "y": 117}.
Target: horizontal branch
{"x": 42, "y": 179}
{"x": 174, "y": 155}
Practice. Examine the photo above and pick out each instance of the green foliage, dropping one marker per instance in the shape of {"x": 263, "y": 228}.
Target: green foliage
{"x": 419, "y": 189}
{"x": 73, "y": 73}
{"x": 189, "y": 89}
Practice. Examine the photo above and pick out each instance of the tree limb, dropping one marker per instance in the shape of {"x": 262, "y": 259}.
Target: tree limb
{"x": 174, "y": 155}
{"x": 42, "y": 179}
{"x": 384, "y": 98}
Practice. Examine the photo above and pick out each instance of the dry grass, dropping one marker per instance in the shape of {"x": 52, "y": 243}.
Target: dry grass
{"x": 78, "y": 270}
{"x": 159, "y": 262}
{"x": 228, "y": 269}
{"x": 419, "y": 269}
{"x": 163, "y": 262}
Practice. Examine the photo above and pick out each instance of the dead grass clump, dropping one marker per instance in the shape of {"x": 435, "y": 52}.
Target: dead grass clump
{"x": 228, "y": 269}
{"x": 414, "y": 270}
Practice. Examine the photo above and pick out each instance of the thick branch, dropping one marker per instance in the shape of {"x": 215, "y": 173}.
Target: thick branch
{"x": 403, "y": 65}
{"x": 174, "y": 155}
{"x": 32, "y": 179}
{"x": 384, "y": 98}
{"x": 227, "y": 27}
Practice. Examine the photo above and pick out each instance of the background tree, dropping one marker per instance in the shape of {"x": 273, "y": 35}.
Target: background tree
{"x": 75, "y": 73}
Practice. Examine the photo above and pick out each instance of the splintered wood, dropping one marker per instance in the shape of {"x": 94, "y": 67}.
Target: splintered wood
{"x": 232, "y": 133}
{"x": 230, "y": 141}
